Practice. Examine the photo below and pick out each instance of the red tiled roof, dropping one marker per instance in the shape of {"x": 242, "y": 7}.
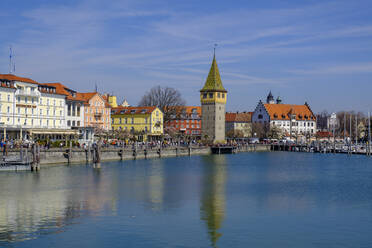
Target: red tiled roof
{"x": 132, "y": 110}
{"x": 63, "y": 90}
{"x": 87, "y": 96}
{"x": 11, "y": 77}
{"x": 185, "y": 109}
{"x": 230, "y": 117}
{"x": 282, "y": 111}
{"x": 238, "y": 117}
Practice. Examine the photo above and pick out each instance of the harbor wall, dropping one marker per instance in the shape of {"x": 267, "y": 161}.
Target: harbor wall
{"x": 64, "y": 156}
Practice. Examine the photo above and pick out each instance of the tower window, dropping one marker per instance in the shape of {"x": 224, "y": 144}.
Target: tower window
{"x": 223, "y": 95}
{"x": 210, "y": 95}
{"x": 218, "y": 94}
{"x": 205, "y": 95}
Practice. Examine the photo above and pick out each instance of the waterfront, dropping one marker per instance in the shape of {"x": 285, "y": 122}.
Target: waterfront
{"x": 262, "y": 199}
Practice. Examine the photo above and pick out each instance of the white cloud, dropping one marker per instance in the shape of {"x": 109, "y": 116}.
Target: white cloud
{"x": 336, "y": 69}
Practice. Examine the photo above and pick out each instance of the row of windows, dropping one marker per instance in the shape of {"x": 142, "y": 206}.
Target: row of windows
{"x": 96, "y": 119}
{"x": 131, "y": 129}
{"x": 33, "y": 111}
{"x": 210, "y": 95}
{"x": 287, "y": 123}
{"x": 189, "y": 121}
{"x": 96, "y": 111}
{"x": 125, "y": 120}
{"x": 188, "y": 126}
{"x": 33, "y": 122}
{"x": 73, "y": 123}
{"x": 33, "y": 100}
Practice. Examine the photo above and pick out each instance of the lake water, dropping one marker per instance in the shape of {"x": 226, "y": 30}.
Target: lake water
{"x": 275, "y": 199}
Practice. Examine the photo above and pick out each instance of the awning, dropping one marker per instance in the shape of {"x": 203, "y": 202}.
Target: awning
{"x": 53, "y": 131}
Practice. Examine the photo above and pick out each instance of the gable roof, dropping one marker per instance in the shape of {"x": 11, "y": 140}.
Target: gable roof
{"x": 282, "y": 111}
{"x": 89, "y": 95}
{"x": 132, "y": 110}
{"x": 213, "y": 82}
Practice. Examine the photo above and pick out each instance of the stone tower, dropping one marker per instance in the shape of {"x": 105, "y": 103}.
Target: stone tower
{"x": 213, "y": 101}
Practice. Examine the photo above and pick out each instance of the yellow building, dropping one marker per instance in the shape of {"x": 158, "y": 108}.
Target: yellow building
{"x": 146, "y": 123}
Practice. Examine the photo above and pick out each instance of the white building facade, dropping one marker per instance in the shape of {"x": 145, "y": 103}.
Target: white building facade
{"x": 293, "y": 120}
{"x": 29, "y": 108}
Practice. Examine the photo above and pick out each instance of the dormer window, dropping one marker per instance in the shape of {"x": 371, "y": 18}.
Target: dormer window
{"x": 275, "y": 115}
{"x": 283, "y": 116}
{"x": 133, "y": 111}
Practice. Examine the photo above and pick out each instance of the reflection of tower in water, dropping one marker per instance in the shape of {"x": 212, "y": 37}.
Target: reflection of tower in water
{"x": 212, "y": 207}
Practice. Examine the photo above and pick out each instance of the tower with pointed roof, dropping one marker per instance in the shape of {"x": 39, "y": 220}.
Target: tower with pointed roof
{"x": 213, "y": 102}
{"x": 270, "y": 98}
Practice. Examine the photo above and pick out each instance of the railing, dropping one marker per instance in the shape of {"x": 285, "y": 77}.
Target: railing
{"x": 27, "y": 93}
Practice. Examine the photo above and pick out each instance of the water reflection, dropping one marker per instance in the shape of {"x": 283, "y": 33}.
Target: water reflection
{"x": 33, "y": 204}
{"x": 213, "y": 184}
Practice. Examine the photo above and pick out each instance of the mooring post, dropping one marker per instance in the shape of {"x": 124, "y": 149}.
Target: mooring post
{"x": 33, "y": 157}
{"x": 21, "y": 152}
{"x": 69, "y": 153}
{"x": 86, "y": 153}
{"x": 96, "y": 156}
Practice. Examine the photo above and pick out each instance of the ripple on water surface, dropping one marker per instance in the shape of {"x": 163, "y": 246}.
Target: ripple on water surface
{"x": 250, "y": 199}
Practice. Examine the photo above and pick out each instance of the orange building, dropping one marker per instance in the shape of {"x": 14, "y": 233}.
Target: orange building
{"x": 185, "y": 119}
{"x": 97, "y": 111}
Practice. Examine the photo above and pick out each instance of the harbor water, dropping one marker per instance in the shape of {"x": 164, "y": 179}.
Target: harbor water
{"x": 267, "y": 199}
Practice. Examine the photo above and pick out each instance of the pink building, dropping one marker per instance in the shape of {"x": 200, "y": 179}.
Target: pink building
{"x": 97, "y": 111}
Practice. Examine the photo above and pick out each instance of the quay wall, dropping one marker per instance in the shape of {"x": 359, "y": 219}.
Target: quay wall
{"x": 63, "y": 156}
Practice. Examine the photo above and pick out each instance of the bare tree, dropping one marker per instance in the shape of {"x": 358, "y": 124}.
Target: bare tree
{"x": 163, "y": 98}
{"x": 321, "y": 120}
{"x": 260, "y": 130}
{"x": 275, "y": 133}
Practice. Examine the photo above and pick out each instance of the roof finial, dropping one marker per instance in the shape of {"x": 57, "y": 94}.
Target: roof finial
{"x": 214, "y": 50}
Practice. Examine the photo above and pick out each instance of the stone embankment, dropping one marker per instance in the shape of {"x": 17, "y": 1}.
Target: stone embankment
{"x": 76, "y": 155}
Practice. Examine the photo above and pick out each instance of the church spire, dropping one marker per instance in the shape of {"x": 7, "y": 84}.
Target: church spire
{"x": 213, "y": 82}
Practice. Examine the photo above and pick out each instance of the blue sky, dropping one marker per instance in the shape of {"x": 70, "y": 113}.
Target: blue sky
{"x": 314, "y": 51}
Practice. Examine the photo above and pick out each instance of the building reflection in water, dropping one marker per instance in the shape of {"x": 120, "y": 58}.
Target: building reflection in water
{"x": 32, "y": 204}
{"x": 155, "y": 189}
{"x": 212, "y": 209}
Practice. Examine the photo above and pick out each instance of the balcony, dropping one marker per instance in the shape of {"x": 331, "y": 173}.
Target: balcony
{"x": 27, "y": 93}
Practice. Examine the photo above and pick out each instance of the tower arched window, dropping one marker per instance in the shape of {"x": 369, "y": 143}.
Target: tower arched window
{"x": 260, "y": 116}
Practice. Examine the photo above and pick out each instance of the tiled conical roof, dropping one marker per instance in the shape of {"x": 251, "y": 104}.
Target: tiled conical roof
{"x": 213, "y": 82}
